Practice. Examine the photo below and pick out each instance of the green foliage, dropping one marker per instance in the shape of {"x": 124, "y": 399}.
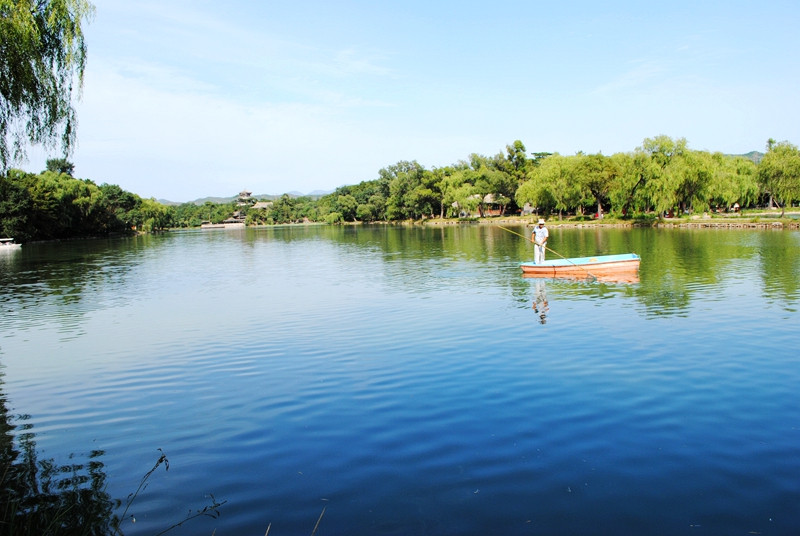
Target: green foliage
{"x": 347, "y": 205}
{"x": 455, "y": 191}
{"x": 516, "y": 161}
{"x": 627, "y": 194}
{"x": 41, "y": 67}
{"x": 60, "y": 165}
{"x": 663, "y": 175}
{"x": 333, "y": 218}
{"x": 695, "y": 174}
{"x": 595, "y": 175}
{"x": 733, "y": 181}
{"x": 286, "y": 209}
{"x": 54, "y": 205}
{"x": 16, "y": 206}
{"x": 366, "y": 212}
{"x": 410, "y": 194}
{"x": 551, "y": 185}
{"x": 779, "y": 172}
{"x": 191, "y": 215}
{"x": 153, "y": 216}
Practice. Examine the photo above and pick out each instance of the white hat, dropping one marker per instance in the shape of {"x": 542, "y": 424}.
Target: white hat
{"x": 541, "y": 222}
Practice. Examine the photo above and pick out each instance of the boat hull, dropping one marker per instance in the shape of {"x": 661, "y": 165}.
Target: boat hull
{"x": 624, "y": 267}
{"x": 8, "y": 244}
{"x": 237, "y": 225}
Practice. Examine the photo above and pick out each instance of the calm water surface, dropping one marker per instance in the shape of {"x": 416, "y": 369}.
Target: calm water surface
{"x": 410, "y": 381}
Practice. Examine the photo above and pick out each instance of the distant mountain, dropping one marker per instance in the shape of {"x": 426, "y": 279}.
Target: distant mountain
{"x": 215, "y": 200}
{"x": 222, "y": 200}
{"x": 315, "y": 194}
{"x": 755, "y": 156}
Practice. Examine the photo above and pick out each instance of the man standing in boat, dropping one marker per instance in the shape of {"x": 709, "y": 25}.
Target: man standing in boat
{"x": 539, "y": 238}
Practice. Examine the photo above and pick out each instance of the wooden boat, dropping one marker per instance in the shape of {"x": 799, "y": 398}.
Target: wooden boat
{"x": 622, "y": 268}
{"x": 7, "y": 244}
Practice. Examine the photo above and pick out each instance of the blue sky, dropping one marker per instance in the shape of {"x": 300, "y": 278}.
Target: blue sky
{"x": 192, "y": 98}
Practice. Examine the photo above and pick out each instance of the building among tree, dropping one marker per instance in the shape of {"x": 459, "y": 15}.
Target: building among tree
{"x": 245, "y": 198}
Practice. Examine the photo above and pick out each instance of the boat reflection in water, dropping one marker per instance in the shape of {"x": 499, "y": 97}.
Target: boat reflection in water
{"x": 8, "y": 244}
{"x": 603, "y": 268}
{"x": 616, "y": 278}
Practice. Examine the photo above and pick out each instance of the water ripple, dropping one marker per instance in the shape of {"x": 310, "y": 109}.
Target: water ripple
{"x": 403, "y": 381}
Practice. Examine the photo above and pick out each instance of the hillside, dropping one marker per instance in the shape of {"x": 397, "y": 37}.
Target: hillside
{"x": 316, "y": 194}
{"x": 755, "y": 156}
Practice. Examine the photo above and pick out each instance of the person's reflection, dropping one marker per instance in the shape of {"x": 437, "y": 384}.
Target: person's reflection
{"x": 540, "y": 306}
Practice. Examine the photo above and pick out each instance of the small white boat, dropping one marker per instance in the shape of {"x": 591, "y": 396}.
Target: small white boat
{"x": 224, "y": 225}
{"x": 8, "y": 244}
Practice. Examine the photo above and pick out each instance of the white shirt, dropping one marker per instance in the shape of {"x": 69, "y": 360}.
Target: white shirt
{"x": 540, "y": 233}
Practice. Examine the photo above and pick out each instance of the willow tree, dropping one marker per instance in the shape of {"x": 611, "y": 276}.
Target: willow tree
{"x": 551, "y": 185}
{"x": 457, "y": 191}
{"x": 42, "y": 61}
{"x": 779, "y": 172}
{"x": 627, "y": 192}
{"x": 694, "y": 174}
{"x": 596, "y": 175}
{"x": 666, "y": 172}
{"x": 734, "y": 181}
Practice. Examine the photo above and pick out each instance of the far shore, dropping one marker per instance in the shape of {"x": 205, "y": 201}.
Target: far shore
{"x": 760, "y": 220}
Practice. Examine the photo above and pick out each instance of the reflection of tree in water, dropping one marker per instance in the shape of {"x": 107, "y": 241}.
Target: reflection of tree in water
{"x": 678, "y": 264}
{"x": 56, "y": 279}
{"x": 779, "y": 262}
{"x": 42, "y": 497}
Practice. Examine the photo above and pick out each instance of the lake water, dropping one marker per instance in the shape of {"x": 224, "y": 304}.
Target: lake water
{"x": 410, "y": 381}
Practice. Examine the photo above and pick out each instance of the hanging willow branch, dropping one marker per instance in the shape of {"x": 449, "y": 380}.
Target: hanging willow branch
{"x": 42, "y": 61}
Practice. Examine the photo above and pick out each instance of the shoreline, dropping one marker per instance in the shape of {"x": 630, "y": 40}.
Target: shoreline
{"x": 697, "y": 222}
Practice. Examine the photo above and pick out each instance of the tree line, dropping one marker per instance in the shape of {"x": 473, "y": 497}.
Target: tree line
{"x": 54, "y": 205}
{"x": 663, "y": 175}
